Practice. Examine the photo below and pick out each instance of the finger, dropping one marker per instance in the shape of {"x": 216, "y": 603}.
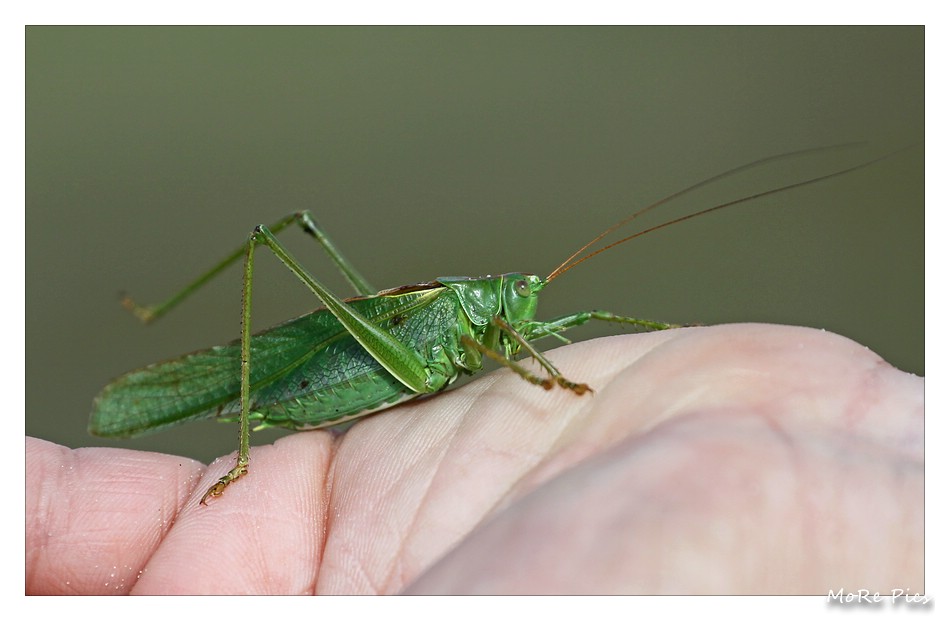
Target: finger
{"x": 94, "y": 516}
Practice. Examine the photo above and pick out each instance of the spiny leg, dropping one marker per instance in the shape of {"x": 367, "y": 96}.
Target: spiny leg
{"x": 310, "y": 226}
{"x": 305, "y": 220}
{"x": 533, "y": 330}
{"x": 397, "y": 358}
{"x": 545, "y": 382}
{"x": 244, "y": 449}
{"x": 555, "y": 376}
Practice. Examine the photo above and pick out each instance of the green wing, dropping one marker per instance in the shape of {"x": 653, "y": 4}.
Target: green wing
{"x": 307, "y": 372}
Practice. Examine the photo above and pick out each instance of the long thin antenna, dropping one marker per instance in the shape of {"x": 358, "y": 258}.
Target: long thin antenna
{"x": 572, "y": 261}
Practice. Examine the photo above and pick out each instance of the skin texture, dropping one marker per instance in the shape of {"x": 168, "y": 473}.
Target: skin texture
{"x": 728, "y": 459}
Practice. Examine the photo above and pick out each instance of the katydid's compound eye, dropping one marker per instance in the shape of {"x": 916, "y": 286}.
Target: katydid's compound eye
{"x": 522, "y": 288}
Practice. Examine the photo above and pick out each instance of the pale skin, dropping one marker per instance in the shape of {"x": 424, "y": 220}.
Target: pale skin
{"x": 730, "y": 459}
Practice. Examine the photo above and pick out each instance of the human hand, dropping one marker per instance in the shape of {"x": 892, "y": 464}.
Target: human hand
{"x": 728, "y": 459}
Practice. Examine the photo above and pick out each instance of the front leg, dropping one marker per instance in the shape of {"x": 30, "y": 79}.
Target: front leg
{"x": 533, "y": 330}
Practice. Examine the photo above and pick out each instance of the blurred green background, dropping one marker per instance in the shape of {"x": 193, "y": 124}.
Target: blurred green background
{"x": 151, "y": 152}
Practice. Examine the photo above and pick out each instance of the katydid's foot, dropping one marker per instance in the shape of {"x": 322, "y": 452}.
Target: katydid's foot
{"x": 142, "y": 313}
{"x": 579, "y": 389}
{"x": 218, "y": 488}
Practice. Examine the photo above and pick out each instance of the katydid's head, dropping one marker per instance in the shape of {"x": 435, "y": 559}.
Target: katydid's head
{"x": 519, "y": 293}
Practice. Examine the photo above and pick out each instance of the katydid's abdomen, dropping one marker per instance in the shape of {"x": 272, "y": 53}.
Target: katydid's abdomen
{"x": 308, "y": 372}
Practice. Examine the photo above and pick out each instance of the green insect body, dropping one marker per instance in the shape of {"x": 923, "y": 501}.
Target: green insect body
{"x": 310, "y": 372}
{"x": 360, "y": 355}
